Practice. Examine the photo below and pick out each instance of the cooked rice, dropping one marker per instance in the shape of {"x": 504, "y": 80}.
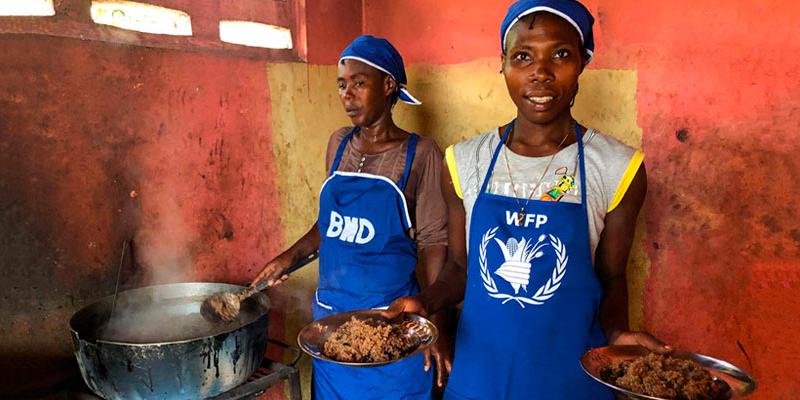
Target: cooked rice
{"x": 367, "y": 341}
{"x": 662, "y": 376}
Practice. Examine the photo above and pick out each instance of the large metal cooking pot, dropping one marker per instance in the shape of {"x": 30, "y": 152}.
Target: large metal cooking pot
{"x": 156, "y": 345}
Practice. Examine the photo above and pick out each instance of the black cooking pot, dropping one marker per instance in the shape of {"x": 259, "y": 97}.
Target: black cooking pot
{"x": 156, "y": 345}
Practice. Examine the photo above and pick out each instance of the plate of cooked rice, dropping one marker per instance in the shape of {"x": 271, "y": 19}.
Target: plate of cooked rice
{"x": 365, "y": 338}
{"x": 636, "y": 373}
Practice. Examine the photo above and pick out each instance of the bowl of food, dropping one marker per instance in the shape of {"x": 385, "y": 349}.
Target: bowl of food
{"x": 365, "y": 338}
{"x": 636, "y": 373}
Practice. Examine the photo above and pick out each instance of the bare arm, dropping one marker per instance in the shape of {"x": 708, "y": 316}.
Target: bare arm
{"x": 430, "y": 212}
{"x": 429, "y": 266}
{"x": 448, "y": 289}
{"x": 275, "y": 271}
{"x": 611, "y": 266}
{"x": 430, "y": 263}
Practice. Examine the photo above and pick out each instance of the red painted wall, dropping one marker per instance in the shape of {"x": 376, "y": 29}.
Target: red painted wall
{"x": 718, "y": 100}
{"x": 105, "y": 143}
{"x": 330, "y": 26}
{"x": 82, "y": 125}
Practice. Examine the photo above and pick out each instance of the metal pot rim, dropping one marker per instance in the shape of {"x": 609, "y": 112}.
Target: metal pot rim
{"x": 262, "y": 298}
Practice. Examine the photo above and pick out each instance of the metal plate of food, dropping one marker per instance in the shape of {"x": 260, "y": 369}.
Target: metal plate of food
{"x": 606, "y": 364}
{"x": 365, "y": 338}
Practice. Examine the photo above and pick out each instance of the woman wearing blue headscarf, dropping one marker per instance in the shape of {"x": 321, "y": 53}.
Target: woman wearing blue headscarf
{"x": 542, "y": 213}
{"x": 381, "y": 224}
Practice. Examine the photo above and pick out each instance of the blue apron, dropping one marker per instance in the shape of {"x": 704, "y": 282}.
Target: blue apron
{"x": 367, "y": 260}
{"x": 531, "y": 303}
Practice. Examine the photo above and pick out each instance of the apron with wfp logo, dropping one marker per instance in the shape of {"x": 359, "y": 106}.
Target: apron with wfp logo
{"x": 367, "y": 260}
{"x": 531, "y": 302}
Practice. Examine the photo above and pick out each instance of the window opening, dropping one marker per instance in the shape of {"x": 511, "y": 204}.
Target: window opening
{"x": 141, "y": 17}
{"x": 27, "y": 8}
{"x": 255, "y": 34}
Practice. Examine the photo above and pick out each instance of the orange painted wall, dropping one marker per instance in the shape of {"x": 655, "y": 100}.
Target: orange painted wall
{"x": 718, "y": 100}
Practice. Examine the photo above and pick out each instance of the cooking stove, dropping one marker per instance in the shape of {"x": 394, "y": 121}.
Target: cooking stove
{"x": 270, "y": 373}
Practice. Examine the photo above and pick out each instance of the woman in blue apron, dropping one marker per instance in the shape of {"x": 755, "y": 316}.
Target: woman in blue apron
{"x": 535, "y": 298}
{"x": 365, "y": 234}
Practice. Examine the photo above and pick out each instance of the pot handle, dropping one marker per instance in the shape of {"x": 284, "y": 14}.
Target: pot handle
{"x": 262, "y": 284}
{"x": 296, "y": 351}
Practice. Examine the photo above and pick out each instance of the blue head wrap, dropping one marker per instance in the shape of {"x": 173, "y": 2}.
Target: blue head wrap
{"x": 380, "y": 54}
{"x": 571, "y": 10}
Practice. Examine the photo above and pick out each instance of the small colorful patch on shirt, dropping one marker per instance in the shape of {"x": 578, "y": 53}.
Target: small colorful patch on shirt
{"x": 565, "y": 183}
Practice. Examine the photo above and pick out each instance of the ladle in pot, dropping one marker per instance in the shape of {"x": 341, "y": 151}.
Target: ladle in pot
{"x": 225, "y": 306}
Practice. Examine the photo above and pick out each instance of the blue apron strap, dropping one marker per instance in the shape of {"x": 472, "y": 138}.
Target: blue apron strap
{"x": 410, "y": 152}
{"x": 340, "y": 150}
{"x": 490, "y": 171}
{"x": 579, "y": 138}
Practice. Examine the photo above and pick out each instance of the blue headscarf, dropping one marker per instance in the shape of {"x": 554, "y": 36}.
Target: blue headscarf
{"x": 571, "y": 10}
{"x": 380, "y": 54}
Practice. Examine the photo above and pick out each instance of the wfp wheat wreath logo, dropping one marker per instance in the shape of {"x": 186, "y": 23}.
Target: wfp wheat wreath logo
{"x": 516, "y": 269}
